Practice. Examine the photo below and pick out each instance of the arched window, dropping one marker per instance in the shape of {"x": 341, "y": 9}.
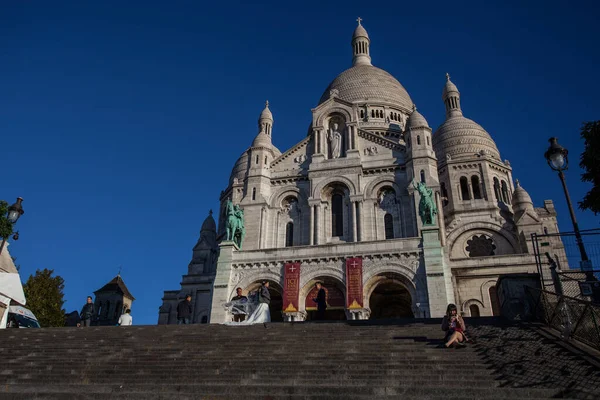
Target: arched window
{"x": 494, "y": 301}
{"x": 337, "y": 215}
{"x": 388, "y": 221}
{"x": 428, "y": 143}
{"x": 464, "y": 188}
{"x": 444, "y": 194}
{"x": 497, "y": 189}
{"x": 362, "y": 113}
{"x": 373, "y": 113}
{"x": 289, "y": 234}
{"x": 505, "y": 197}
{"x": 422, "y": 176}
{"x": 265, "y": 160}
{"x": 253, "y": 193}
{"x": 545, "y": 231}
{"x": 204, "y": 320}
{"x": 257, "y": 159}
{"x": 418, "y": 139}
{"x": 474, "y": 310}
{"x": 476, "y": 187}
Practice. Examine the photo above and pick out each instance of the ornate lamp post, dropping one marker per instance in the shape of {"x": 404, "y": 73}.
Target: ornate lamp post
{"x": 558, "y": 160}
{"x": 14, "y": 212}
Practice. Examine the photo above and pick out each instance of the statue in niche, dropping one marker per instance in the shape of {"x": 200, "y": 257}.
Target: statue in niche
{"x": 335, "y": 141}
{"x": 427, "y": 207}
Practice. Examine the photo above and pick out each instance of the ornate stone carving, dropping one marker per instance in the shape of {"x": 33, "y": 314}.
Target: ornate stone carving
{"x": 300, "y": 159}
{"x": 371, "y": 151}
{"x": 480, "y": 246}
{"x": 335, "y": 141}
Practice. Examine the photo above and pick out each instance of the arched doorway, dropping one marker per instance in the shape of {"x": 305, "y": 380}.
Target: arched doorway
{"x": 336, "y": 300}
{"x": 276, "y": 305}
{"x": 390, "y": 299}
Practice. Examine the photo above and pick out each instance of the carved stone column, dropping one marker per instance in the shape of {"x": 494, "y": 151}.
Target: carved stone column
{"x": 353, "y": 207}
{"x": 359, "y": 227}
{"x": 376, "y": 206}
{"x": 311, "y": 232}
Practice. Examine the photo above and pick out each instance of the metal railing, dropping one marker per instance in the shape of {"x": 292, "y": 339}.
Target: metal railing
{"x": 573, "y": 318}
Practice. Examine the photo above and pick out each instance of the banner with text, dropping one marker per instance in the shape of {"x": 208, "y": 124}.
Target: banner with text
{"x": 354, "y": 284}
{"x": 291, "y": 287}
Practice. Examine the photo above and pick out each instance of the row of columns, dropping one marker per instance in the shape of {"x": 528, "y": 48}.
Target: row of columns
{"x": 316, "y": 225}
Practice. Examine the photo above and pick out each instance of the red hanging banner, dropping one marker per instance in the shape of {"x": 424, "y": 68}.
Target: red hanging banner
{"x": 291, "y": 287}
{"x": 354, "y": 284}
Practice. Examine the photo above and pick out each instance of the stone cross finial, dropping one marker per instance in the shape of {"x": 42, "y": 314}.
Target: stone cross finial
{"x": 267, "y": 103}
{"x": 517, "y": 182}
{"x": 210, "y": 212}
{"x": 359, "y": 19}
{"x": 447, "y": 76}
{"x": 120, "y": 267}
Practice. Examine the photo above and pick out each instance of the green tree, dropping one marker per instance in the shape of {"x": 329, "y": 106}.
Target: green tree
{"x": 590, "y": 162}
{"x": 6, "y": 228}
{"x": 45, "y": 297}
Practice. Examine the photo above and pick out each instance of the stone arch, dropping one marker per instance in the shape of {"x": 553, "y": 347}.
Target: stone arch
{"x": 385, "y": 275}
{"x": 485, "y": 294}
{"x": 336, "y": 109}
{"x": 314, "y": 273}
{"x": 260, "y": 274}
{"x": 277, "y": 198}
{"x": 309, "y": 284}
{"x": 316, "y": 193}
{"x": 490, "y": 227}
{"x": 377, "y": 184}
{"x": 466, "y": 304}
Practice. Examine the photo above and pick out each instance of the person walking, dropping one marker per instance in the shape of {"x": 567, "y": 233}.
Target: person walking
{"x": 184, "y": 311}
{"x": 126, "y": 319}
{"x": 87, "y": 313}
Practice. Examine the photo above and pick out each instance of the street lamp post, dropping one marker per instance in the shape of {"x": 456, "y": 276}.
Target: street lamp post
{"x": 557, "y": 157}
{"x": 14, "y": 212}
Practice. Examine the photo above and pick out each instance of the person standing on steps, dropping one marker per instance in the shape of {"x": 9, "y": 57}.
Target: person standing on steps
{"x": 454, "y": 326}
{"x": 237, "y": 316}
{"x": 184, "y": 311}
{"x": 321, "y": 301}
{"x": 126, "y": 319}
{"x": 264, "y": 296}
{"x": 87, "y": 313}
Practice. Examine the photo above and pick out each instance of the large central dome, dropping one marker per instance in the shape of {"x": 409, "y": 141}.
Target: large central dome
{"x": 366, "y": 83}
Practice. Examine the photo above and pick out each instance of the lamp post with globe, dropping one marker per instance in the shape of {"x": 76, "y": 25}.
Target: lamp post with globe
{"x": 11, "y": 218}
{"x": 558, "y": 159}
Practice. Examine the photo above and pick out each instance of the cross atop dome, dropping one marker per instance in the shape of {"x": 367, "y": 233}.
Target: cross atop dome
{"x": 447, "y": 76}
{"x": 267, "y": 102}
{"x": 360, "y": 45}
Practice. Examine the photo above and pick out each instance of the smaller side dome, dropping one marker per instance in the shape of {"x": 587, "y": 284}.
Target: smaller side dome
{"x": 261, "y": 140}
{"x": 521, "y": 200}
{"x": 209, "y": 223}
{"x": 240, "y": 168}
{"x": 416, "y": 120}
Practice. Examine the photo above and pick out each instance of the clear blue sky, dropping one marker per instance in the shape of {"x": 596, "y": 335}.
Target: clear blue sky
{"x": 121, "y": 121}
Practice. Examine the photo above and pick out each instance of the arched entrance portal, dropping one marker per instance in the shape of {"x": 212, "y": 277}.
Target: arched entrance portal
{"x": 336, "y": 300}
{"x": 276, "y": 305}
{"x": 390, "y": 299}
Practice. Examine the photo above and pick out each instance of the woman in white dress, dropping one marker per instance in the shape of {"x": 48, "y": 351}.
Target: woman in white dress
{"x": 257, "y": 307}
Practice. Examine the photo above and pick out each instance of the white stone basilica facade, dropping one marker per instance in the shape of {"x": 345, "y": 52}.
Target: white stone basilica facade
{"x": 345, "y": 191}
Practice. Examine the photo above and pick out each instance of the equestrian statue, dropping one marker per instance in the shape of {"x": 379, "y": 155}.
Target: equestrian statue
{"x": 427, "y": 207}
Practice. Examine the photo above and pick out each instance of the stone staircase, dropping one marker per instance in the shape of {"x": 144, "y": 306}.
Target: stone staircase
{"x": 345, "y": 360}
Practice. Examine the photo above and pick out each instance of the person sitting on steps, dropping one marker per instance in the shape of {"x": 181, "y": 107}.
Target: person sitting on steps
{"x": 454, "y": 326}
